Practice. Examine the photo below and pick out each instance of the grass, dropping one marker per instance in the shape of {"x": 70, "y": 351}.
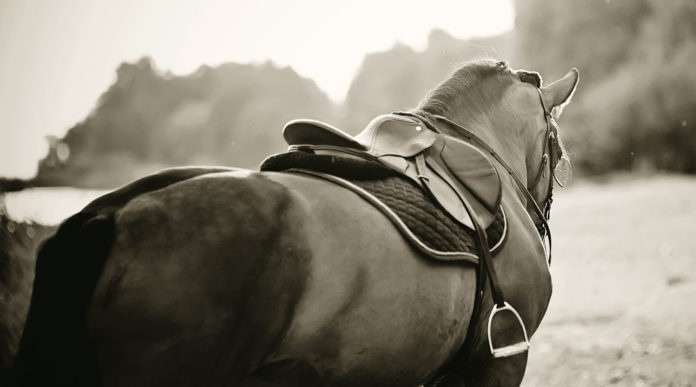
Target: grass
{"x": 624, "y": 275}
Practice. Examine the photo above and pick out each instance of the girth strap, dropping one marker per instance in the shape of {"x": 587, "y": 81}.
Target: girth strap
{"x": 486, "y": 260}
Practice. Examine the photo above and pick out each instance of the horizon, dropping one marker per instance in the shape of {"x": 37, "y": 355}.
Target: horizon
{"x": 61, "y": 56}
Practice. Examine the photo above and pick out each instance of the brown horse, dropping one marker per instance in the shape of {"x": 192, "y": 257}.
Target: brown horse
{"x": 216, "y": 276}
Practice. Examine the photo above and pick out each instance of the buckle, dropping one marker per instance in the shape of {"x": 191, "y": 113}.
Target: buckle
{"x": 512, "y": 349}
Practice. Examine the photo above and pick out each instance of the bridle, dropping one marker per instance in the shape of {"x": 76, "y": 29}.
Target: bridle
{"x": 549, "y": 157}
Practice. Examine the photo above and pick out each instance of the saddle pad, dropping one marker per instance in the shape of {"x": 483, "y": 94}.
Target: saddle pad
{"x": 417, "y": 216}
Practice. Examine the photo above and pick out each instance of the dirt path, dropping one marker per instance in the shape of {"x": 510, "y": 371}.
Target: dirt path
{"x": 623, "y": 311}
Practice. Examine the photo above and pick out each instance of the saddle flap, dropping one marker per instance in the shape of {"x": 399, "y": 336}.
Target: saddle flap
{"x": 458, "y": 172}
{"x": 394, "y": 135}
{"x": 445, "y": 192}
{"x": 474, "y": 170}
{"x": 313, "y": 132}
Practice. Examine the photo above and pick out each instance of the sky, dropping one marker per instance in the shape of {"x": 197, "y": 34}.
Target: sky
{"x": 58, "y": 56}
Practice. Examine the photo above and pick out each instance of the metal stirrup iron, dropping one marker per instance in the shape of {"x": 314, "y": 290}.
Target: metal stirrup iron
{"x": 500, "y": 304}
{"x": 512, "y": 349}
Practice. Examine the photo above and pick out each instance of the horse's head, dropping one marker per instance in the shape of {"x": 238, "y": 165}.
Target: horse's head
{"x": 513, "y": 113}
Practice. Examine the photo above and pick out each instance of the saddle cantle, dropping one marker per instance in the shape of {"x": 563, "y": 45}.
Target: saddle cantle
{"x": 455, "y": 173}
{"x": 306, "y": 131}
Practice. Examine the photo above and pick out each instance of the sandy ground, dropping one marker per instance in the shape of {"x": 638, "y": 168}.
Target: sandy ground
{"x": 623, "y": 311}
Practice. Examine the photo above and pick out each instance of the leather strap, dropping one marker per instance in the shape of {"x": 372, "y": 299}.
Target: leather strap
{"x": 486, "y": 268}
{"x": 487, "y": 259}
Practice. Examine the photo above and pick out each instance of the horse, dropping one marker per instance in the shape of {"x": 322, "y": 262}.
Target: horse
{"x": 226, "y": 276}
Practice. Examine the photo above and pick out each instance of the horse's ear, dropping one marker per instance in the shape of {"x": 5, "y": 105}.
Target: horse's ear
{"x": 559, "y": 93}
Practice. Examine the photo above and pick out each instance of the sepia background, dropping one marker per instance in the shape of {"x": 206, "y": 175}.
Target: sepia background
{"x": 97, "y": 95}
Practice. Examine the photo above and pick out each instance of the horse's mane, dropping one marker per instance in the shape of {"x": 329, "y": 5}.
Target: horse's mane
{"x": 465, "y": 80}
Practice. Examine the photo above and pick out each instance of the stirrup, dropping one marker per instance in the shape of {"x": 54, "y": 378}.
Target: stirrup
{"x": 512, "y": 349}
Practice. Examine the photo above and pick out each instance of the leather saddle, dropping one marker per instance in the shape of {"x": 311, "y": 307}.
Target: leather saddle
{"x": 452, "y": 171}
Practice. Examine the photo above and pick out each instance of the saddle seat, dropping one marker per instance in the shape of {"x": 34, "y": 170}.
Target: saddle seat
{"x": 452, "y": 171}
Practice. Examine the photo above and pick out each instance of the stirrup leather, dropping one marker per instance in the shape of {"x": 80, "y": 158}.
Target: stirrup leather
{"x": 512, "y": 349}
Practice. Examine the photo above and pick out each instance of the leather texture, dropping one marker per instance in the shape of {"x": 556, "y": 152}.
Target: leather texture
{"x": 305, "y": 131}
{"x": 451, "y": 170}
{"x": 391, "y": 135}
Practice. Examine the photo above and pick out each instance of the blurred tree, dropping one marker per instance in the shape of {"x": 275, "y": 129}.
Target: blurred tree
{"x": 400, "y": 77}
{"x": 233, "y": 114}
{"x": 635, "y": 107}
{"x": 595, "y": 36}
{"x": 147, "y": 120}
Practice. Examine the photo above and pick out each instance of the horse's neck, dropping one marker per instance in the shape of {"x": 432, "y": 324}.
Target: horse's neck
{"x": 509, "y": 146}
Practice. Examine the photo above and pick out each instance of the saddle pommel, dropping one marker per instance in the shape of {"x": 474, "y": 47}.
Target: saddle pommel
{"x": 393, "y": 135}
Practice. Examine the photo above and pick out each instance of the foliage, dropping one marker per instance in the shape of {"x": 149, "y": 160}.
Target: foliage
{"x": 233, "y": 114}
{"x": 635, "y": 108}
{"x": 147, "y": 120}
{"x": 400, "y": 77}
